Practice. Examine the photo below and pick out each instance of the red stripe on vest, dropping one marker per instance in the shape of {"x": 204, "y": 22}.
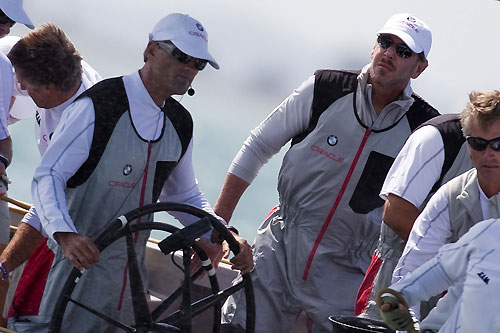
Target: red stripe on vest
{"x": 366, "y": 286}
{"x": 141, "y": 203}
{"x": 271, "y": 212}
{"x": 335, "y": 205}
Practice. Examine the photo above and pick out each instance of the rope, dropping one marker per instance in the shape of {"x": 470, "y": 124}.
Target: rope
{"x": 398, "y": 296}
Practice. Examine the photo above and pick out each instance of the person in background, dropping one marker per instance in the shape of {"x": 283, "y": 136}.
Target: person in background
{"x": 11, "y": 12}
{"x": 346, "y": 128}
{"x": 432, "y": 155}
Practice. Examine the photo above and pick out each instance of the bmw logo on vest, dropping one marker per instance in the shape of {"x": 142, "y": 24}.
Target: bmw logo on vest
{"x": 332, "y": 140}
{"x": 127, "y": 169}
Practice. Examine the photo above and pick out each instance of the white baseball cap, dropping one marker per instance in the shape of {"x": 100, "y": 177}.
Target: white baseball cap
{"x": 186, "y": 33}
{"x": 414, "y": 32}
{"x": 14, "y": 10}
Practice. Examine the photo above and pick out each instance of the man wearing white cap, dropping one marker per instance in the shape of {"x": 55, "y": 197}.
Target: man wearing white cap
{"x": 81, "y": 183}
{"x": 11, "y": 11}
{"x": 345, "y": 128}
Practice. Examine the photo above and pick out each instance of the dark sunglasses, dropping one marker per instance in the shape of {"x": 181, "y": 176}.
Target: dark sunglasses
{"x": 480, "y": 144}
{"x": 4, "y": 19}
{"x": 401, "y": 49}
{"x": 180, "y": 56}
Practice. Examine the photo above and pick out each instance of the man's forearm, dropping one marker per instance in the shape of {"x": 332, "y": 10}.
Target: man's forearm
{"x": 19, "y": 249}
{"x": 231, "y": 192}
{"x": 399, "y": 215}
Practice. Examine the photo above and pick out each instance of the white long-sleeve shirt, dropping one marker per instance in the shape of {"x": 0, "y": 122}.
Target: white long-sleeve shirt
{"x": 470, "y": 268}
{"x": 431, "y": 230}
{"x": 46, "y": 123}
{"x": 70, "y": 147}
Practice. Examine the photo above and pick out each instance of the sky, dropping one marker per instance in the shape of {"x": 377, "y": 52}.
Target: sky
{"x": 265, "y": 50}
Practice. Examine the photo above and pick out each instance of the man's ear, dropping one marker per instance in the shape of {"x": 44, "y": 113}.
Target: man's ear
{"x": 421, "y": 66}
{"x": 150, "y": 50}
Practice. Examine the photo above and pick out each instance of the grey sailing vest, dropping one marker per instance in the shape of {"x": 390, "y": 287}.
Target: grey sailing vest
{"x": 331, "y": 176}
{"x": 464, "y": 204}
{"x": 123, "y": 171}
{"x": 114, "y": 172}
{"x": 464, "y": 212}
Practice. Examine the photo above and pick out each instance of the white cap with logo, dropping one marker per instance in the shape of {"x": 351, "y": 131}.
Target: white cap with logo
{"x": 15, "y": 11}
{"x": 186, "y": 33}
{"x": 414, "y": 32}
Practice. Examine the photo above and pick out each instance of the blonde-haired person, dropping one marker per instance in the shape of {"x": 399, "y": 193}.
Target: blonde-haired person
{"x": 463, "y": 201}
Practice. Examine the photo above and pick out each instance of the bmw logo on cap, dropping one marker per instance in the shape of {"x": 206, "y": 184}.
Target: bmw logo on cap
{"x": 199, "y": 26}
{"x": 127, "y": 169}
{"x": 332, "y": 140}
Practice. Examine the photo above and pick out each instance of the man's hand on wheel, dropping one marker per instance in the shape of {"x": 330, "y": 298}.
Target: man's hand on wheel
{"x": 80, "y": 250}
{"x": 244, "y": 260}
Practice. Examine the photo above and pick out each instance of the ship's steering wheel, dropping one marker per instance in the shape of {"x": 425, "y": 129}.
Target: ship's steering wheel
{"x": 178, "y": 239}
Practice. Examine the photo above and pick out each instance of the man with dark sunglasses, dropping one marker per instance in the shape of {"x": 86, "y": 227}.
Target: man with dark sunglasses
{"x": 180, "y": 56}
{"x": 122, "y": 144}
{"x": 345, "y": 128}
{"x": 463, "y": 201}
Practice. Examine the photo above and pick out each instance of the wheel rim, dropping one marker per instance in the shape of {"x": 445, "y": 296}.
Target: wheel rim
{"x": 147, "y": 321}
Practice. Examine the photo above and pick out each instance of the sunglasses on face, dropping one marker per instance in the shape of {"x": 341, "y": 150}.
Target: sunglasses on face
{"x": 4, "y": 19}
{"x": 180, "y": 56}
{"x": 401, "y": 49}
{"x": 480, "y": 144}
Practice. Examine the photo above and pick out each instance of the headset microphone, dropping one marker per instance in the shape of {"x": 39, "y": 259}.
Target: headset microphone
{"x": 190, "y": 91}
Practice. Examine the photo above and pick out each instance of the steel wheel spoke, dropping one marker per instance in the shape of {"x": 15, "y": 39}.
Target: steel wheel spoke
{"x": 103, "y": 316}
{"x": 141, "y": 310}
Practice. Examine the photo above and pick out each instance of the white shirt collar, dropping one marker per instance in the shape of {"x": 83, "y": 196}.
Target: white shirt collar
{"x": 147, "y": 117}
